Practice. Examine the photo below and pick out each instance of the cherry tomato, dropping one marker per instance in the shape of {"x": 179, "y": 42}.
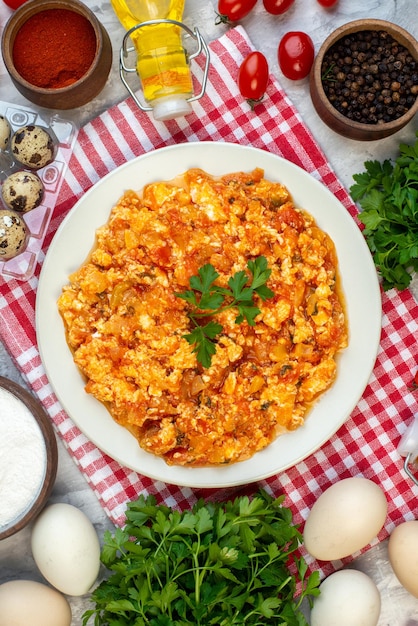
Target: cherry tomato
{"x": 234, "y": 10}
{"x": 14, "y": 4}
{"x": 327, "y": 3}
{"x": 277, "y": 7}
{"x": 253, "y": 77}
{"x": 296, "y": 54}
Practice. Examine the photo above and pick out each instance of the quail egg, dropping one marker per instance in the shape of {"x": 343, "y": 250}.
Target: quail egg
{"x": 5, "y": 132}
{"x": 13, "y": 234}
{"x": 33, "y": 146}
{"x": 22, "y": 191}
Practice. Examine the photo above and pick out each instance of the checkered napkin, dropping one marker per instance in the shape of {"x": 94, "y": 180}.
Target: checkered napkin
{"x": 366, "y": 444}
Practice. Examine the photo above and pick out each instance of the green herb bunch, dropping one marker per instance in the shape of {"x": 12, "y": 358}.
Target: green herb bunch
{"x": 218, "y": 564}
{"x": 207, "y": 299}
{"x": 388, "y": 195}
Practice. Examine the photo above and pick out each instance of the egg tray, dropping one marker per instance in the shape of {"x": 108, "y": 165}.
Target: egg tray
{"x": 64, "y": 132}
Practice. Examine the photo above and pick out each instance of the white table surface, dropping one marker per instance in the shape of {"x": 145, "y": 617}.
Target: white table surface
{"x": 346, "y": 156}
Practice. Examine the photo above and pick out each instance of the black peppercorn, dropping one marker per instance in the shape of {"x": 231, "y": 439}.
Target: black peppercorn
{"x": 369, "y": 77}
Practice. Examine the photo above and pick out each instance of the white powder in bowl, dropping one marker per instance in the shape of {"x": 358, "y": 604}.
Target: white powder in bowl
{"x": 22, "y": 458}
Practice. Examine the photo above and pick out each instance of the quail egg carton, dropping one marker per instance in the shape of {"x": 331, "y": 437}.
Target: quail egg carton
{"x": 63, "y": 133}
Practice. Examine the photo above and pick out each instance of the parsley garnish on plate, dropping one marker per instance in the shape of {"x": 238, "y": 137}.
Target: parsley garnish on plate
{"x": 388, "y": 195}
{"x": 219, "y": 564}
{"x": 207, "y": 299}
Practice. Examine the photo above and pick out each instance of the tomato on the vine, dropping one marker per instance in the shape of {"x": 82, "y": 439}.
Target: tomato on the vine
{"x": 277, "y": 7}
{"x": 14, "y": 4}
{"x": 253, "y": 77}
{"x": 327, "y": 3}
{"x": 296, "y": 54}
{"x": 234, "y": 10}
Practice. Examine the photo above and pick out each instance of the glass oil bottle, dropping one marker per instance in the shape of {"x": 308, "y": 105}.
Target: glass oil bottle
{"x": 162, "y": 63}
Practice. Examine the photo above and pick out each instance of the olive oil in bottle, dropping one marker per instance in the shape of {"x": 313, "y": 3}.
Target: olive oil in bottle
{"x": 162, "y": 64}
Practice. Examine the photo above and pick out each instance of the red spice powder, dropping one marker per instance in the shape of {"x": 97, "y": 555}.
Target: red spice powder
{"x": 54, "y": 48}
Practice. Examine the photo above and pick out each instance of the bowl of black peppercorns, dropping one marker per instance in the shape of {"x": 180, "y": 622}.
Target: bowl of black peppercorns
{"x": 364, "y": 80}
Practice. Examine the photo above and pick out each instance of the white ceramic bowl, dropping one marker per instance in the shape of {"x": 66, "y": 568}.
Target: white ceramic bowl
{"x": 74, "y": 241}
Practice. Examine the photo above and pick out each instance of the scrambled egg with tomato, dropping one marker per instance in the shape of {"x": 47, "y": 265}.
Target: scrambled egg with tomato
{"x": 126, "y": 327}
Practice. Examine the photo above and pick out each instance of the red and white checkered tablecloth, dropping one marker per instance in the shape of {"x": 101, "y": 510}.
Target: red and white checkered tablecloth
{"x": 366, "y": 444}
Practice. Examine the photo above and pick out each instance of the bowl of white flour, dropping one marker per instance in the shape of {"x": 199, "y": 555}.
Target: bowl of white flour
{"x": 28, "y": 457}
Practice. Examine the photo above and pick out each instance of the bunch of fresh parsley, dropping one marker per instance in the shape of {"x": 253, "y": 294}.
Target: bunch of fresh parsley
{"x": 218, "y": 564}
{"x": 388, "y": 195}
{"x": 207, "y": 299}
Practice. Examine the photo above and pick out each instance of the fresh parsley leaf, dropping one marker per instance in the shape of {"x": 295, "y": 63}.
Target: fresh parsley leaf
{"x": 201, "y": 337}
{"x": 260, "y": 272}
{"x": 237, "y": 284}
{"x": 264, "y": 292}
{"x": 188, "y": 296}
{"x": 226, "y": 564}
{"x": 208, "y": 299}
{"x": 113, "y": 545}
{"x": 247, "y": 312}
{"x": 206, "y": 276}
{"x": 387, "y": 193}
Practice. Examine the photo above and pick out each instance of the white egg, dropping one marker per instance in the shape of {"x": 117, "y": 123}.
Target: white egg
{"x": 344, "y": 519}
{"x": 403, "y": 555}
{"x": 24, "y": 602}
{"x": 347, "y": 598}
{"x": 66, "y": 548}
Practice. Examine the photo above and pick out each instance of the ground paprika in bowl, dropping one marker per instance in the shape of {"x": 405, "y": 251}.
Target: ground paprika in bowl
{"x": 57, "y": 53}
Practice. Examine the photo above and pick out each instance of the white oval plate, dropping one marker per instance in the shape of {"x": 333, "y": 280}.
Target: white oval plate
{"x": 75, "y": 239}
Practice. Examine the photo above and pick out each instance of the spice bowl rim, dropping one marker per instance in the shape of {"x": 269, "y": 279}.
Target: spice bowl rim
{"x": 328, "y": 113}
{"x": 42, "y": 419}
{"x": 40, "y": 95}
{"x": 28, "y": 10}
